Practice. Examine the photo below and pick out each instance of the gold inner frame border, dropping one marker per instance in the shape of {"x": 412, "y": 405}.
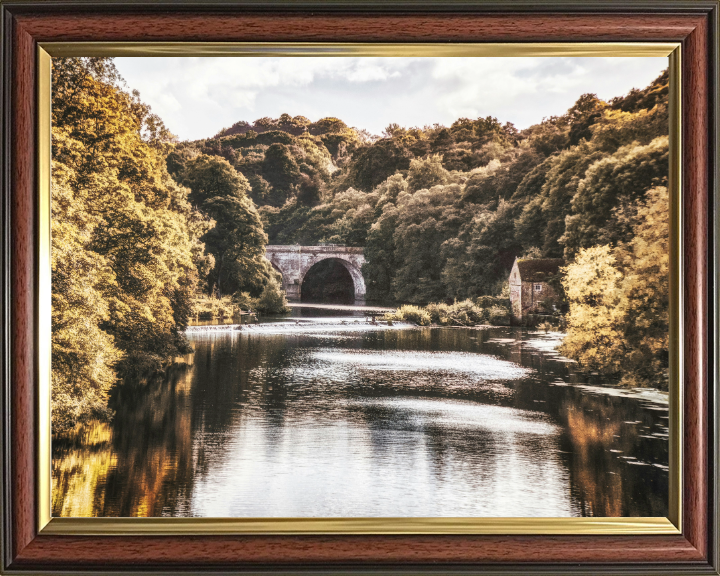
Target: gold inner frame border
{"x": 293, "y": 526}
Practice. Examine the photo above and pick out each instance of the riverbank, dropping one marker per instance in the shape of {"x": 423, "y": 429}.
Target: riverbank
{"x": 485, "y": 310}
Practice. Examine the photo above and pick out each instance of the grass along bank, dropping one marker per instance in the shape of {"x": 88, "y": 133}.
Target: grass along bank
{"x": 484, "y": 310}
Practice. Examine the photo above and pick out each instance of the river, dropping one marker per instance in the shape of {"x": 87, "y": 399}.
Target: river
{"x": 329, "y": 416}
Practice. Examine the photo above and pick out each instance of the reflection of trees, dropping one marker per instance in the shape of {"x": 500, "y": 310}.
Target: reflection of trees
{"x": 234, "y": 378}
{"x": 599, "y": 490}
{"x": 80, "y": 467}
{"x": 603, "y": 482}
{"x": 152, "y": 440}
{"x": 125, "y": 471}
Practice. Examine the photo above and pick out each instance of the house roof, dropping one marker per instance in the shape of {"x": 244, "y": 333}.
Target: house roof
{"x": 538, "y": 269}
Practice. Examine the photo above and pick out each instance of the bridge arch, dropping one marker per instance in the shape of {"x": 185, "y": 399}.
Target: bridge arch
{"x": 294, "y": 262}
{"x": 322, "y": 267}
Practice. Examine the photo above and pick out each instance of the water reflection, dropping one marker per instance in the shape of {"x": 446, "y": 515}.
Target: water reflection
{"x": 325, "y": 417}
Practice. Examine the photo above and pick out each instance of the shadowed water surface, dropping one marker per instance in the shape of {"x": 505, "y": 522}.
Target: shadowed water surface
{"x": 333, "y": 417}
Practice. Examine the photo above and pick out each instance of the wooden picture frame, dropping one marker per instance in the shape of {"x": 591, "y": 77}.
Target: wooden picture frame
{"x": 27, "y": 549}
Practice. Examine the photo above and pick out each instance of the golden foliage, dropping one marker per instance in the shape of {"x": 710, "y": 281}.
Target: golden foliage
{"x": 619, "y": 299}
{"x": 124, "y": 239}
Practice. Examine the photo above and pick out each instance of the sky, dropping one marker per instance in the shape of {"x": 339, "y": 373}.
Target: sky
{"x": 197, "y": 97}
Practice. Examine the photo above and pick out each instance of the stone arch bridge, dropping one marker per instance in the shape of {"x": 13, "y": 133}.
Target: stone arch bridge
{"x": 294, "y": 262}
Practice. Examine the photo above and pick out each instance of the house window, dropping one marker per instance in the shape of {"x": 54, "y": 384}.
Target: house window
{"x": 538, "y": 287}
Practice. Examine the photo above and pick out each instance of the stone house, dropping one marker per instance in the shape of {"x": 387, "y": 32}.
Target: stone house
{"x": 530, "y": 292}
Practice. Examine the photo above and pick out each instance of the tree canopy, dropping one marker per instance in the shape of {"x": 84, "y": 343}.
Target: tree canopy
{"x": 124, "y": 240}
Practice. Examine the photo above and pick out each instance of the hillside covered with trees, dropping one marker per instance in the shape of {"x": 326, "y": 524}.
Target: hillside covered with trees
{"x": 443, "y": 211}
{"x": 143, "y": 223}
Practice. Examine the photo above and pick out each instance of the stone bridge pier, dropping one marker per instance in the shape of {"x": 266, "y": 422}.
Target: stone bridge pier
{"x": 294, "y": 262}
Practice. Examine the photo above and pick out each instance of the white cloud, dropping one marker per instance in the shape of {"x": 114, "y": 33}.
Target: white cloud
{"x": 196, "y": 97}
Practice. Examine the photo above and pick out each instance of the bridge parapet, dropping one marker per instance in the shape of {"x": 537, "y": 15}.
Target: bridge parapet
{"x": 293, "y": 262}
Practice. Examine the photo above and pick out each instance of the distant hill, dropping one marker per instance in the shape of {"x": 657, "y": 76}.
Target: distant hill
{"x": 295, "y": 125}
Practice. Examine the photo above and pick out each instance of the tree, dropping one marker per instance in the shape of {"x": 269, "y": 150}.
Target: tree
{"x": 272, "y": 299}
{"x": 426, "y": 173}
{"x": 645, "y": 291}
{"x": 379, "y": 268}
{"x": 238, "y": 243}
{"x": 124, "y": 267}
{"x": 83, "y": 354}
{"x": 282, "y": 172}
{"x": 425, "y": 220}
{"x": 609, "y": 182}
{"x": 237, "y": 240}
{"x": 594, "y": 333}
{"x": 482, "y": 252}
{"x": 619, "y": 299}
{"x": 375, "y": 163}
{"x": 210, "y": 177}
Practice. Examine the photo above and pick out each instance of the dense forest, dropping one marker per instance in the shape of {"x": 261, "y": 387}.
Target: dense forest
{"x": 131, "y": 248}
{"x": 443, "y": 212}
{"x": 143, "y": 223}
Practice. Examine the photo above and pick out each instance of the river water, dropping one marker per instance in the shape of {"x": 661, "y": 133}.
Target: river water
{"x": 333, "y": 417}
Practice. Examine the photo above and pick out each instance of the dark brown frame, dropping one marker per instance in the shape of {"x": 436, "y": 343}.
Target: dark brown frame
{"x": 692, "y": 23}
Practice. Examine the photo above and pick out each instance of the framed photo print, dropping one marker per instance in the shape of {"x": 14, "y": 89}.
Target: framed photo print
{"x": 370, "y": 289}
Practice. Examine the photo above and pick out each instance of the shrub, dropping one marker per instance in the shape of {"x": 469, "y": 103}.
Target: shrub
{"x": 467, "y": 313}
{"x": 208, "y": 307}
{"x": 410, "y": 313}
{"x": 272, "y": 300}
{"x": 490, "y": 301}
{"x": 439, "y": 313}
{"x": 498, "y": 316}
{"x": 545, "y": 326}
{"x": 244, "y": 301}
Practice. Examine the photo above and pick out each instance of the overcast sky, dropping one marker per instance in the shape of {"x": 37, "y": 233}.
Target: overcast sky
{"x": 196, "y": 97}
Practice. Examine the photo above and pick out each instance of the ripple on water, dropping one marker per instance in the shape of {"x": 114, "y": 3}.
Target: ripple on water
{"x": 465, "y": 415}
{"x": 482, "y": 366}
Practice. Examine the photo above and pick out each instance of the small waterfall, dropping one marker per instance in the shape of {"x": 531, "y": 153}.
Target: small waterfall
{"x": 213, "y": 328}
{"x": 296, "y": 326}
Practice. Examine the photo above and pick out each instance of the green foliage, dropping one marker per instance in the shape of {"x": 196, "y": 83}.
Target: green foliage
{"x": 426, "y": 173}
{"x": 656, "y": 94}
{"x": 372, "y": 165}
{"x": 272, "y": 299}
{"x": 594, "y": 322}
{"x": 236, "y": 241}
{"x": 424, "y": 223}
{"x": 244, "y": 301}
{"x": 281, "y": 171}
{"x": 292, "y": 125}
{"x": 493, "y": 302}
{"x": 83, "y": 355}
{"x": 463, "y": 313}
{"x": 610, "y": 182}
{"x": 211, "y": 177}
{"x": 380, "y": 265}
{"x": 499, "y": 316}
{"x": 209, "y": 307}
